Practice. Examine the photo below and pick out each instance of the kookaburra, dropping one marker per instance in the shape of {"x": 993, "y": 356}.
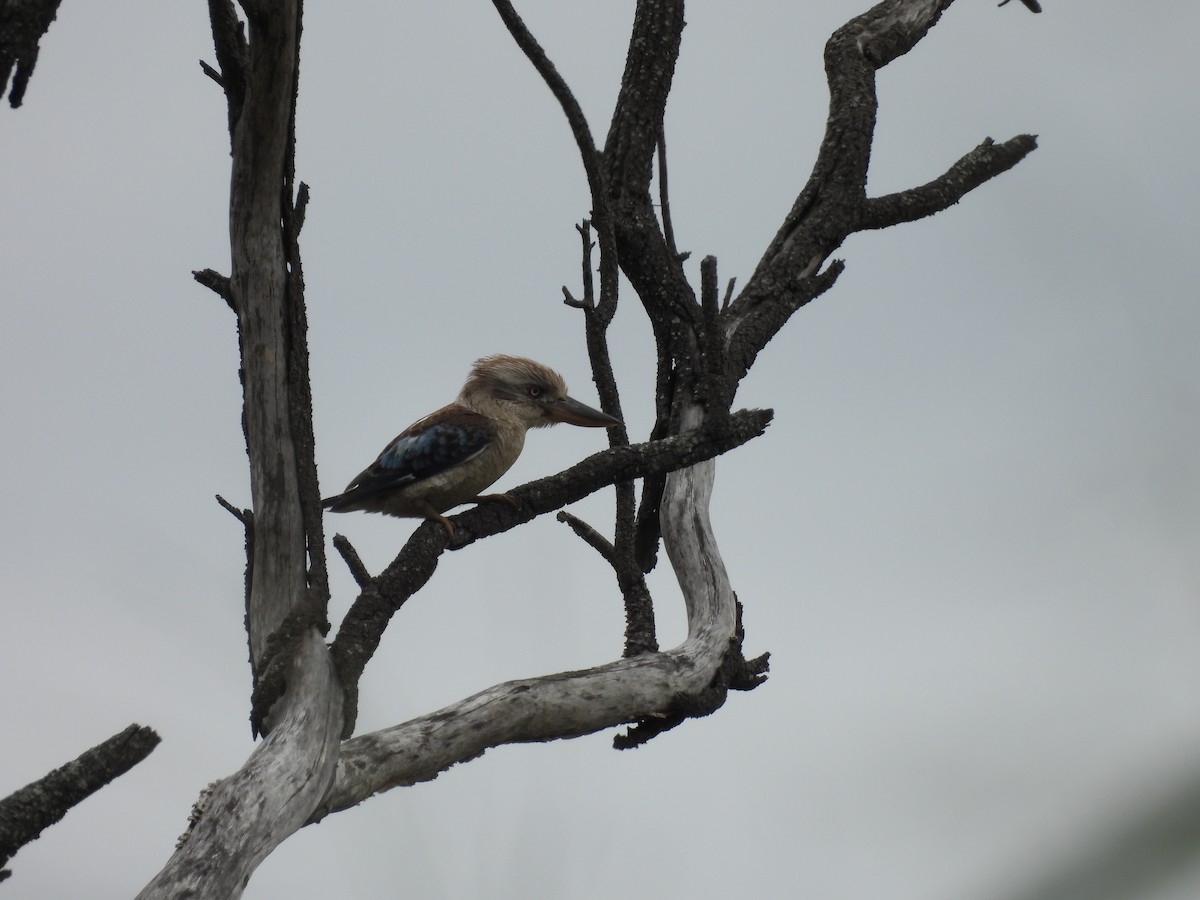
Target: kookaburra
{"x": 450, "y": 456}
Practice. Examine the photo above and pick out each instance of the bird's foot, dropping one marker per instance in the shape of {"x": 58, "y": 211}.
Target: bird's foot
{"x": 432, "y": 515}
{"x": 494, "y": 498}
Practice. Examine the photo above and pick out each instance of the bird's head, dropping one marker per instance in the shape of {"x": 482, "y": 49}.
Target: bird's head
{"x": 513, "y": 388}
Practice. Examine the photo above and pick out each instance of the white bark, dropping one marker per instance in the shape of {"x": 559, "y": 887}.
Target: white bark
{"x": 248, "y": 814}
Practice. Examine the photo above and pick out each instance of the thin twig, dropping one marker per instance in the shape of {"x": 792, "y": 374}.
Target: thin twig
{"x": 561, "y": 91}
{"x": 728, "y": 294}
{"x": 212, "y": 73}
{"x": 217, "y": 283}
{"x": 590, "y": 536}
{"x": 353, "y": 561}
{"x": 242, "y": 515}
{"x": 663, "y": 195}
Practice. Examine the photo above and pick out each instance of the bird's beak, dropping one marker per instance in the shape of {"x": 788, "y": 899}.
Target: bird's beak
{"x": 572, "y": 411}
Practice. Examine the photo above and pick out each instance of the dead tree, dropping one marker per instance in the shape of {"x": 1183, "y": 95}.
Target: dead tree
{"x": 305, "y": 689}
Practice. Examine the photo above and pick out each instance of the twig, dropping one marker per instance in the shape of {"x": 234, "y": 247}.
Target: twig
{"x": 212, "y": 73}
{"x": 242, "y": 515}
{"x": 590, "y": 536}
{"x": 217, "y": 283}
{"x": 713, "y": 378}
{"x": 353, "y": 561}
{"x": 663, "y": 195}
{"x": 728, "y": 294}
{"x": 561, "y": 91}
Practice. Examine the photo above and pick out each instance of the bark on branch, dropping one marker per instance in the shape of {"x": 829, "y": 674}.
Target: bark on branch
{"x": 25, "y": 813}
{"x": 22, "y": 25}
{"x": 297, "y": 701}
{"x": 833, "y": 203}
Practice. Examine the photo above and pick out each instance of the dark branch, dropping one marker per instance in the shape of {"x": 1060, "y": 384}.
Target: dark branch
{"x": 589, "y": 536}
{"x": 645, "y": 256}
{"x": 35, "y": 807}
{"x": 664, "y": 195}
{"x": 23, "y": 23}
{"x": 716, "y": 388}
{"x": 229, "y": 42}
{"x": 217, "y": 283}
{"x": 353, "y": 561}
{"x": 212, "y": 73}
{"x": 1031, "y": 5}
{"x": 982, "y": 164}
{"x": 244, "y": 516}
{"x": 559, "y": 88}
{"x": 833, "y": 203}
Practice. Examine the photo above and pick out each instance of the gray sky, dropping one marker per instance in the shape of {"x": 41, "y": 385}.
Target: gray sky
{"x": 969, "y": 538}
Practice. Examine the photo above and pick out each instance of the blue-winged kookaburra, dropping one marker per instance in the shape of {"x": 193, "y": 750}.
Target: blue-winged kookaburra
{"x": 451, "y": 455}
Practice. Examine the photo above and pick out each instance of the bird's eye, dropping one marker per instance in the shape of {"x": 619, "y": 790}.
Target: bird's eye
{"x": 536, "y": 390}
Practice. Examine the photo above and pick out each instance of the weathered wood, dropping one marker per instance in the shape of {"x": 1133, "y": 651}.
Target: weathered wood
{"x": 298, "y": 700}
{"x": 242, "y": 818}
{"x": 261, "y": 141}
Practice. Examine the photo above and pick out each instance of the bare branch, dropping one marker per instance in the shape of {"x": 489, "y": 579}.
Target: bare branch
{"x": 353, "y": 562}
{"x": 589, "y": 535}
{"x": 244, "y": 516}
{"x": 716, "y": 388}
{"x": 1031, "y": 5}
{"x": 217, "y": 283}
{"x": 559, "y": 88}
{"x": 233, "y": 53}
{"x": 982, "y": 164}
{"x": 728, "y": 294}
{"x": 23, "y": 23}
{"x": 642, "y": 249}
{"x": 833, "y": 203}
{"x": 664, "y": 196}
{"x": 212, "y": 73}
{"x": 25, "y": 813}
{"x": 569, "y": 299}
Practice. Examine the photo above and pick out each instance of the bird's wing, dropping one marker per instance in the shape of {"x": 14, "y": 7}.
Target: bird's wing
{"x": 447, "y": 438}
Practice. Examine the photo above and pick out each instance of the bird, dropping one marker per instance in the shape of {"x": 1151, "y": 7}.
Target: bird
{"x": 448, "y": 457}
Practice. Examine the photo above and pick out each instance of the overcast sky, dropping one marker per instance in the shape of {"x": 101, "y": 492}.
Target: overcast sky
{"x": 969, "y": 539}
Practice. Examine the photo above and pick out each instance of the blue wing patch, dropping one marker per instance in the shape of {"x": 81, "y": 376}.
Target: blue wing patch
{"x": 438, "y": 442}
